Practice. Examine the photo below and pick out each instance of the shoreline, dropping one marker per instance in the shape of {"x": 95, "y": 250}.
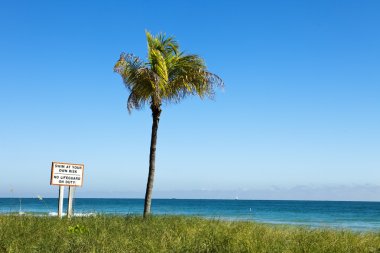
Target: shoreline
{"x": 356, "y": 216}
{"x": 208, "y": 199}
{"x": 322, "y": 226}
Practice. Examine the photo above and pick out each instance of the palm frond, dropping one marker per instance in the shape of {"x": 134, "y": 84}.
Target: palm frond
{"x": 189, "y": 76}
{"x": 166, "y": 45}
{"x": 168, "y": 76}
{"x": 137, "y": 78}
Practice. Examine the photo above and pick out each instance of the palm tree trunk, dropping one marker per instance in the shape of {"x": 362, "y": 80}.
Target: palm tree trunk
{"x": 156, "y": 112}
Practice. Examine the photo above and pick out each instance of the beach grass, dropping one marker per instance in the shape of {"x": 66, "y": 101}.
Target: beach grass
{"x": 172, "y": 234}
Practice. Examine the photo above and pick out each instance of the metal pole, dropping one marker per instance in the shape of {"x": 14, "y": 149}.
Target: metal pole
{"x": 60, "y": 200}
{"x": 70, "y": 203}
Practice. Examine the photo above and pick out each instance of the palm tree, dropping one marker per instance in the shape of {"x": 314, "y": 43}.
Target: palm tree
{"x": 167, "y": 76}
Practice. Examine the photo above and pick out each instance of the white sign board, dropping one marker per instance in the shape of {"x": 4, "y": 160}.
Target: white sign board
{"x": 66, "y": 174}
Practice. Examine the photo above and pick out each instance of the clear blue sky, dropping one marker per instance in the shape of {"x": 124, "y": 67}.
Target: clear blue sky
{"x": 299, "y": 117}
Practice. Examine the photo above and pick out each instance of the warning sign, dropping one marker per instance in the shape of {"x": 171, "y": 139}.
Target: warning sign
{"x": 66, "y": 174}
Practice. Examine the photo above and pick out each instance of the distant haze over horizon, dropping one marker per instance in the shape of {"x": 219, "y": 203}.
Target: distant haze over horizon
{"x": 298, "y": 118}
{"x": 317, "y": 193}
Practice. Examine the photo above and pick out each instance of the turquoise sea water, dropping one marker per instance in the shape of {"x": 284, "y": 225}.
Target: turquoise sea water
{"x": 362, "y": 216}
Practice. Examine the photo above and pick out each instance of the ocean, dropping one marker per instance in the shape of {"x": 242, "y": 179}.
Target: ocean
{"x": 358, "y": 216}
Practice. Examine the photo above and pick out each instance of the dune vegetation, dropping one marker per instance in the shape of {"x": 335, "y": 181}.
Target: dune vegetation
{"x": 172, "y": 234}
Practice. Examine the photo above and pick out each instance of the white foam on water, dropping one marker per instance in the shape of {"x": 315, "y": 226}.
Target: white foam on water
{"x": 53, "y": 214}
{"x": 75, "y": 214}
{"x": 84, "y": 214}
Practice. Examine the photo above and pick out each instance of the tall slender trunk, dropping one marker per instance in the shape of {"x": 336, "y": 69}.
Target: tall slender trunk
{"x": 156, "y": 112}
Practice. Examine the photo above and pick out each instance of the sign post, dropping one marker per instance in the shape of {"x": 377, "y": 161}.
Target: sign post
{"x": 66, "y": 174}
{"x": 60, "y": 201}
{"x": 70, "y": 203}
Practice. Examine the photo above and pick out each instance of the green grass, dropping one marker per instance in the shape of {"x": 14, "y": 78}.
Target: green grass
{"x": 171, "y": 234}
